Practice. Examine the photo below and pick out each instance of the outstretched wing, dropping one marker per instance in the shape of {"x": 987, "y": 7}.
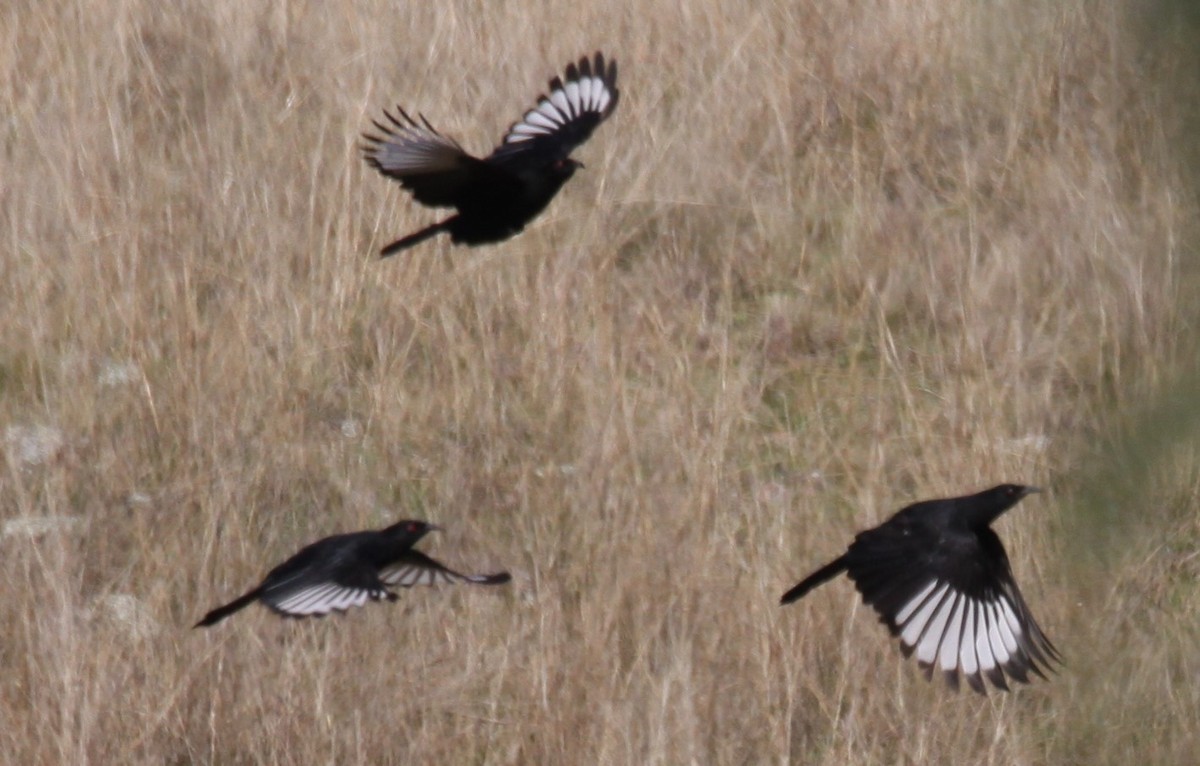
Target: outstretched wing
{"x": 566, "y": 117}
{"x": 415, "y": 568}
{"x": 958, "y": 611}
{"x": 322, "y": 578}
{"x": 433, "y": 167}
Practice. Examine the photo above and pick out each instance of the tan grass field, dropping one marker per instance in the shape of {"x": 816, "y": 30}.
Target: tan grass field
{"x": 826, "y": 259}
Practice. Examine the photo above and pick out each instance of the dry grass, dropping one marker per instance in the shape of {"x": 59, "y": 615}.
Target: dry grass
{"x": 827, "y": 258}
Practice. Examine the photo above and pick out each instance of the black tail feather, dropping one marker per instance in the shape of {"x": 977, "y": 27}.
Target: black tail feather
{"x": 491, "y": 579}
{"x": 415, "y": 238}
{"x": 822, "y": 575}
{"x": 221, "y": 612}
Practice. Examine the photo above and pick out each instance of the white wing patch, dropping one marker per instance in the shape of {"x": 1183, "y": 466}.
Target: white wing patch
{"x": 1000, "y": 648}
{"x": 323, "y": 598}
{"x": 564, "y": 104}
{"x": 935, "y": 628}
{"x": 558, "y": 106}
{"x": 409, "y": 147}
{"x": 968, "y": 660}
{"x": 911, "y": 606}
{"x": 912, "y": 629}
{"x": 408, "y": 575}
{"x": 948, "y": 656}
{"x": 956, "y": 633}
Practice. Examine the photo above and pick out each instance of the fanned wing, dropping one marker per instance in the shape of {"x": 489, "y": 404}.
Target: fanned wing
{"x": 415, "y": 568}
{"x": 433, "y": 167}
{"x": 320, "y": 599}
{"x": 956, "y": 633}
{"x": 566, "y": 117}
{"x": 954, "y": 611}
{"x": 322, "y": 580}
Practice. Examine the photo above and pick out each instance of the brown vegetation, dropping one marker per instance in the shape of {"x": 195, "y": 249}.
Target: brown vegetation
{"x": 827, "y": 258}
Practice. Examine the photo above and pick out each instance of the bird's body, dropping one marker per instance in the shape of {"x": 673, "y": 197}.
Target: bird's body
{"x": 495, "y": 196}
{"x": 939, "y": 578}
{"x": 338, "y": 572}
{"x": 494, "y": 209}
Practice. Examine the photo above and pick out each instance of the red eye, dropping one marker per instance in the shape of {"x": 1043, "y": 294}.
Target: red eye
{"x": 413, "y": 526}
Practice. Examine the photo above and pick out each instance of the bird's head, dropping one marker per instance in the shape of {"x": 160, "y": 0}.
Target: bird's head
{"x": 565, "y": 168}
{"x": 1018, "y": 491}
{"x": 411, "y": 530}
{"x": 999, "y": 499}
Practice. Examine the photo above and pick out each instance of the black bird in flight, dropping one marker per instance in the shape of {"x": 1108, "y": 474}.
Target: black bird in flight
{"x": 347, "y": 570}
{"x": 939, "y": 578}
{"x": 497, "y": 195}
